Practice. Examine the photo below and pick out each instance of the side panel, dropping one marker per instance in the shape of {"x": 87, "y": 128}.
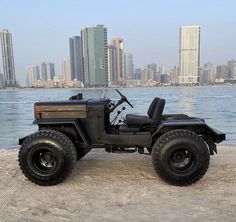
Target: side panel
{"x": 75, "y": 122}
{"x": 60, "y": 111}
{"x": 94, "y": 125}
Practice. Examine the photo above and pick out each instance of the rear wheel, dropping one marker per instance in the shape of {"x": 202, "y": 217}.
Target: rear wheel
{"x": 47, "y": 157}
{"x": 180, "y": 157}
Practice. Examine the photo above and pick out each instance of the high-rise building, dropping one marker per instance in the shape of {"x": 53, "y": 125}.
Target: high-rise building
{"x": 174, "y": 75}
{"x": 221, "y": 72}
{"x": 233, "y": 70}
{"x": 8, "y": 59}
{"x": 50, "y": 70}
{"x": 207, "y": 74}
{"x": 230, "y": 68}
{"x": 153, "y": 67}
{"x": 137, "y": 73}
{"x": 162, "y": 74}
{"x": 94, "y": 51}
{"x": 44, "y": 74}
{"x": 76, "y": 65}
{"x": 1, "y": 81}
{"x": 66, "y": 74}
{"x": 128, "y": 66}
{"x": 162, "y": 70}
{"x": 32, "y": 75}
{"x": 147, "y": 74}
{"x": 112, "y": 68}
{"x": 189, "y": 54}
{"x": 118, "y": 43}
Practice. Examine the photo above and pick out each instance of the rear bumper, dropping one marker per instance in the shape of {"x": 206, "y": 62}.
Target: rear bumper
{"x": 218, "y": 136}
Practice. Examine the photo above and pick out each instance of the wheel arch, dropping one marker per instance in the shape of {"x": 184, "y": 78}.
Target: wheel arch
{"x": 201, "y": 129}
{"x": 71, "y": 128}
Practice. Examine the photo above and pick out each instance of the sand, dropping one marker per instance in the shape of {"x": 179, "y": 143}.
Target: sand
{"x": 119, "y": 187}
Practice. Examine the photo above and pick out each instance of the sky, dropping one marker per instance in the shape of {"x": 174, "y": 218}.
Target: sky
{"x": 150, "y": 28}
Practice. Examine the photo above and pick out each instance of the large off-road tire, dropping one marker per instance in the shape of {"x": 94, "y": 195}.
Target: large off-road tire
{"x": 82, "y": 152}
{"x": 180, "y": 157}
{"x": 47, "y": 157}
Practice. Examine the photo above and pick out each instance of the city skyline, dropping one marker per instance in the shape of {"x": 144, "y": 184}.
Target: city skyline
{"x": 150, "y": 29}
{"x": 109, "y": 65}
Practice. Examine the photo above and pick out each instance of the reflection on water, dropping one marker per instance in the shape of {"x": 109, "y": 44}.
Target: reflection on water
{"x": 217, "y": 104}
{"x": 188, "y": 102}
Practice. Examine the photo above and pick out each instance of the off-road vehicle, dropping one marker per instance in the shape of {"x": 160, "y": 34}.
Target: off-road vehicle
{"x": 180, "y": 146}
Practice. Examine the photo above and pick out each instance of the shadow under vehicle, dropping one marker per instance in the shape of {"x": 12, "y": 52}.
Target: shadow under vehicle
{"x": 180, "y": 145}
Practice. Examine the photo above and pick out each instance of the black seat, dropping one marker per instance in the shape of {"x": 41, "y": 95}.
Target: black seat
{"x": 154, "y": 115}
{"x": 149, "y": 112}
{"x": 152, "y": 107}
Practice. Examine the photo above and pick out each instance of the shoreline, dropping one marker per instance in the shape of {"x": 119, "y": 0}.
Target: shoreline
{"x": 119, "y": 187}
{"x": 113, "y": 87}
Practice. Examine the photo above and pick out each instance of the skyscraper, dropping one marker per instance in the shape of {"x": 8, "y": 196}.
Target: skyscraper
{"x": 32, "y": 75}
{"x": 1, "y": 81}
{"x": 50, "y": 70}
{"x": 8, "y": 59}
{"x": 221, "y": 72}
{"x": 162, "y": 74}
{"x": 112, "y": 70}
{"x": 66, "y": 74}
{"x": 94, "y": 51}
{"x": 174, "y": 75}
{"x": 118, "y": 43}
{"x": 233, "y": 75}
{"x": 76, "y": 66}
{"x": 231, "y": 65}
{"x": 189, "y": 54}
{"x": 137, "y": 73}
{"x": 207, "y": 74}
{"x": 128, "y": 66}
{"x": 147, "y": 74}
{"x": 44, "y": 74}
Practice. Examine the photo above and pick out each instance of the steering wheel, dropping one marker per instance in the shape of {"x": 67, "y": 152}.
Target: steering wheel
{"x": 124, "y": 98}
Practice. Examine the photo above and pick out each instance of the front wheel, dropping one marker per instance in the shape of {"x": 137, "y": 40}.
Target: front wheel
{"x": 47, "y": 157}
{"x": 180, "y": 157}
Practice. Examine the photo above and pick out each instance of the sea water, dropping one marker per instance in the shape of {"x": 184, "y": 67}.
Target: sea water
{"x": 216, "y": 104}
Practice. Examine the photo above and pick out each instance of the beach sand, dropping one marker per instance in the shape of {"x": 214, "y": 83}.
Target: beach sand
{"x": 119, "y": 187}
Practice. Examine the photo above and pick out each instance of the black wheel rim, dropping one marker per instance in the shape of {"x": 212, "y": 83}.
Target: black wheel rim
{"x": 44, "y": 161}
{"x": 182, "y": 160}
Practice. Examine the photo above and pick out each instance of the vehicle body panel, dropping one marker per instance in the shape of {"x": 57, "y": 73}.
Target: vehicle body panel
{"x": 86, "y": 123}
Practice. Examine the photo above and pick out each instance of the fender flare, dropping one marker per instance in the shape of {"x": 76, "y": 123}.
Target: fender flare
{"x": 75, "y": 122}
{"x": 200, "y": 128}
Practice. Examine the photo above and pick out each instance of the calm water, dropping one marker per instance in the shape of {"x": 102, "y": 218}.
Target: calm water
{"x": 217, "y": 104}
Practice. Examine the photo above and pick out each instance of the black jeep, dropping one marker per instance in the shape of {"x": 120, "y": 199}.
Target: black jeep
{"x": 180, "y": 145}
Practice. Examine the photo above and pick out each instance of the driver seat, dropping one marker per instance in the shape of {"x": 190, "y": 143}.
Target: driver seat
{"x": 154, "y": 115}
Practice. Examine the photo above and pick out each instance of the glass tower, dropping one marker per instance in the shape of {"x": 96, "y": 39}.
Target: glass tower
{"x": 8, "y": 59}
{"x": 94, "y": 50}
{"x": 76, "y": 58}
